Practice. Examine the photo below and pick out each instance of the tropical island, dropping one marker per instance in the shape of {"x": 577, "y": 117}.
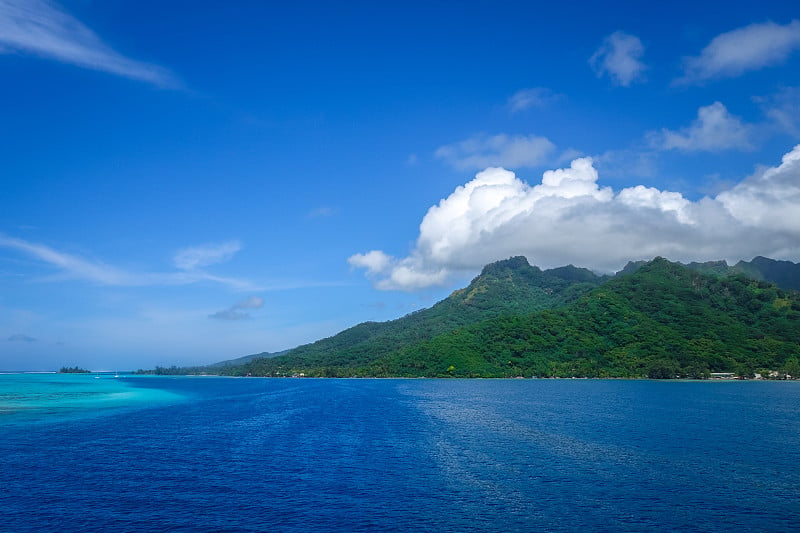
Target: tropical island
{"x": 73, "y": 370}
{"x": 657, "y": 319}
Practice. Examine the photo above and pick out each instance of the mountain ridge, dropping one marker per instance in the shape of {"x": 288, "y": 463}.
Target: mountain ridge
{"x": 665, "y": 320}
{"x": 465, "y": 333}
{"x": 510, "y": 286}
{"x": 785, "y": 274}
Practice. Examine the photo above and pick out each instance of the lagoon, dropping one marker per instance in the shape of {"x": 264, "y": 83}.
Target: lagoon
{"x": 225, "y": 454}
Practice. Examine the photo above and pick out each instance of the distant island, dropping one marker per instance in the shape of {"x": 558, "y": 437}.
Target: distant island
{"x": 656, "y": 319}
{"x": 73, "y": 370}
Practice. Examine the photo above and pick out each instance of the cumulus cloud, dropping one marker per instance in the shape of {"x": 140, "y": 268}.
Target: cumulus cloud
{"x": 652, "y": 198}
{"x": 514, "y": 151}
{"x": 42, "y": 28}
{"x": 619, "y": 57}
{"x": 390, "y": 273}
{"x": 530, "y": 98}
{"x": 238, "y": 311}
{"x": 770, "y": 199}
{"x": 20, "y": 337}
{"x": 713, "y": 130}
{"x": 375, "y": 262}
{"x": 745, "y": 49}
{"x": 568, "y": 217}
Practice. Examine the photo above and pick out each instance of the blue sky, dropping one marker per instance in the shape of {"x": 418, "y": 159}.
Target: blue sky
{"x": 183, "y": 183}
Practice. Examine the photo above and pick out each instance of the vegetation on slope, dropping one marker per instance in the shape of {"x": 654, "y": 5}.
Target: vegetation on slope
{"x": 73, "y": 370}
{"x": 654, "y": 319}
{"x": 665, "y": 320}
{"x": 785, "y": 274}
{"x": 510, "y": 287}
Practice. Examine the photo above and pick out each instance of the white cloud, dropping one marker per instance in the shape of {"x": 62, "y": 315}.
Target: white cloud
{"x": 770, "y": 199}
{"x": 619, "y": 58}
{"x": 569, "y": 218}
{"x": 714, "y": 129}
{"x": 407, "y": 276}
{"x": 72, "y": 265}
{"x": 745, "y": 49}
{"x": 396, "y": 274}
{"x": 650, "y": 197}
{"x": 498, "y": 150}
{"x": 42, "y": 28}
{"x": 205, "y": 255}
{"x": 529, "y": 98}
{"x": 375, "y": 262}
{"x": 188, "y": 260}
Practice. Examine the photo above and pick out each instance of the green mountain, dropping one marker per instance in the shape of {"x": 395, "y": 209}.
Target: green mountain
{"x": 661, "y": 319}
{"x": 245, "y": 359}
{"x": 509, "y": 287}
{"x": 664, "y": 320}
{"x": 784, "y": 274}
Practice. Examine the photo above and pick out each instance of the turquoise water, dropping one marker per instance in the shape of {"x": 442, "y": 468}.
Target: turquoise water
{"x": 298, "y": 455}
{"x": 43, "y": 397}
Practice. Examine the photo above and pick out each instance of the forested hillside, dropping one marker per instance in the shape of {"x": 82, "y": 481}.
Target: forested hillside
{"x": 653, "y": 319}
{"x": 658, "y": 319}
{"x": 663, "y": 321}
{"x": 509, "y": 287}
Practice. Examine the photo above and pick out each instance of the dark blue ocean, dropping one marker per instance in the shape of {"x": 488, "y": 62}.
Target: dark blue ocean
{"x": 221, "y": 454}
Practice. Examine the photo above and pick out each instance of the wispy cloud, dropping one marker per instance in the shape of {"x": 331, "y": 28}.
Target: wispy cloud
{"x": 239, "y": 311}
{"x": 189, "y": 260}
{"x": 742, "y": 50}
{"x": 531, "y": 98}
{"x": 42, "y": 28}
{"x": 512, "y": 151}
{"x": 196, "y": 257}
{"x": 71, "y": 265}
{"x": 619, "y": 57}
{"x": 713, "y": 130}
{"x": 635, "y": 162}
{"x": 783, "y": 110}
